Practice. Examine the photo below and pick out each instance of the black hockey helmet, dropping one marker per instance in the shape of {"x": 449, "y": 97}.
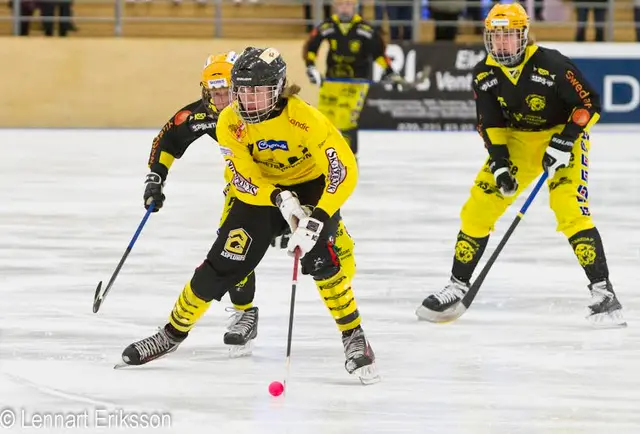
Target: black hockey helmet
{"x": 257, "y": 81}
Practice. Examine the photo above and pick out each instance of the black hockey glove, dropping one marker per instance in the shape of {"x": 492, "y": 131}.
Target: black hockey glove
{"x": 506, "y": 182}
{"x": 153, "y": 191}
{"x": 557, "y": 155}
{"x": 282, "y": 240}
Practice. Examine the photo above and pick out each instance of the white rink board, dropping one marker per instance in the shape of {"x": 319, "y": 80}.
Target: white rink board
{"x": 522, "y": 360}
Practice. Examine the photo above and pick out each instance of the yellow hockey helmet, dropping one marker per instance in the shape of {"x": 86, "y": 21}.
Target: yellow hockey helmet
{"x": 506, "y": 33}
{"x": 216, "y": 81}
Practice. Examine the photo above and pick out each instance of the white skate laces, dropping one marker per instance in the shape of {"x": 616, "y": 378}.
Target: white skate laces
{"x": 240, "y": 321}
{"x": 454, "y": 291}
{"x": 153, "y": 345}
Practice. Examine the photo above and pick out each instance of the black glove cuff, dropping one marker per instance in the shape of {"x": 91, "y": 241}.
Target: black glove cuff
{"x": 560, "y": 142}
{"x": 498, "y": 152}
{"x": 153, "y": 178}
{"x": 160, "y": 169}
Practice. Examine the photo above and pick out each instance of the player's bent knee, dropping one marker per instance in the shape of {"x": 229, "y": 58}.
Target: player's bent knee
{"x": 209, "y": 285}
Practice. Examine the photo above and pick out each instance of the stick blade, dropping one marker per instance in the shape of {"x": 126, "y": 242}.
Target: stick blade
{"x": 97, "y": 299}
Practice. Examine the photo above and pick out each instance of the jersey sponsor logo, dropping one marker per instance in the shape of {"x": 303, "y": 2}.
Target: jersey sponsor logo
{"x": 272, "y": 145}
{"x": 301, "y": 125}
{"x": 242, "y": 184}
{"x": 364, "y": 33}
{"x": 337, "y": 170}
{"x": 203, "y": 126}
{"x": 489, "y": 84}
{"x": 237, "y": 245}
{"x": 544, "y": 81}
{"x": 181, "y": 116}
{"x": 579, "y": 88}
{"x": 227, "y": 152}
{"x": 536, "y": 102}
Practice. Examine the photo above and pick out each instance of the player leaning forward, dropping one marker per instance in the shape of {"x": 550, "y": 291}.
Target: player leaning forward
{"x": 534, "y": 112}
{"x": 284, "y": 158}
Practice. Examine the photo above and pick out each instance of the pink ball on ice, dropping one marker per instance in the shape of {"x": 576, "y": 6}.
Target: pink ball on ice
{"x": 276, "y": 388}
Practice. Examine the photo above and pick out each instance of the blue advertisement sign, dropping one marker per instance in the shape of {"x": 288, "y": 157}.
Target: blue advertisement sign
{"x": 618, "y": 83}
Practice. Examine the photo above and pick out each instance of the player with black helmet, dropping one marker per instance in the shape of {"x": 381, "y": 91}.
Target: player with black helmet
{"x": 191, "y": 122}
{"x": 288, "y": 166}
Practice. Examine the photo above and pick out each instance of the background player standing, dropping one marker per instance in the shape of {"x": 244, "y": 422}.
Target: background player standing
{"x": 534, "y": 111}
{"x": 282, "y": 154}
{"x": 190, "y": 123}
{"x": 354, "y": 45}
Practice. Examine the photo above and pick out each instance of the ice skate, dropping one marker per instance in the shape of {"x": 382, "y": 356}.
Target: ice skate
{"x": 360, "y": 357}
{"x": 444, "y": 305}
{"x": 159, "y": 345}
{"x": 604, "y": 310}
{"x": 241, "y": 331}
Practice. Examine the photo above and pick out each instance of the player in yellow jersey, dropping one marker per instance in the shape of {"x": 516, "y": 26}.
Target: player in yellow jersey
{"x": 288, "y": 166}
{"x": 535, "y": 110}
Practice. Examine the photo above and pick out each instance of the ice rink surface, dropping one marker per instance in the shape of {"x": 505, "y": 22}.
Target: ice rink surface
{"x": 522, "y": 360}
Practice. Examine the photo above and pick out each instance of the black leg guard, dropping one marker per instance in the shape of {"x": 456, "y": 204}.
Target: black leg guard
{"x": 588, "y": 248}
{"x": 469, "y": 250}
{"x": 242, "y": 294}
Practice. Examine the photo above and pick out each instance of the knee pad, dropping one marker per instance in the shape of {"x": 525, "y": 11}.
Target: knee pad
{"x": 208, "y": 284}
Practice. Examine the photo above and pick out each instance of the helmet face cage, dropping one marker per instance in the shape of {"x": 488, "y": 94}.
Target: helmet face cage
{"x": 506, "y": 45}
{"x": 254, "y": 104}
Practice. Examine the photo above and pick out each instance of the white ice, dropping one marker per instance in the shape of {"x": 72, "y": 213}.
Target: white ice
{"x": 522, "y": 360}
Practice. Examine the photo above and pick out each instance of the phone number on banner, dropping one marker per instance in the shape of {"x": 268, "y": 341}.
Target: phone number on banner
{"x": 436, "y": 126}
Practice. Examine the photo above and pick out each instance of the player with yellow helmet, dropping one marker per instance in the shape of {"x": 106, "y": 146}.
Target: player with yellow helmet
{"x": 535, "y": 109}
{"x": 191, "y": 122}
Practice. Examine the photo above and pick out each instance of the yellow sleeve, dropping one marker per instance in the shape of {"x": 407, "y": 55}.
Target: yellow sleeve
{"x": 246, "y": 179}
{"x": 333, "y": 155}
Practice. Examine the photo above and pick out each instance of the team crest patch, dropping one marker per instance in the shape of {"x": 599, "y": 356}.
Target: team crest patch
{"x": 536, "y": 102}
{"x": 237, "y": 245}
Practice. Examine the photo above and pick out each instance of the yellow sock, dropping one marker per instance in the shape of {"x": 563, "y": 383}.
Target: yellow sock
{"x": 338, "y": 296}
{"x": 243, "y": 306}
{"x": 187, "y": 310}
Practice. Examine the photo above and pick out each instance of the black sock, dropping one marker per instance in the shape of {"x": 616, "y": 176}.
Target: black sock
{"x": 469, "y": 250}
{"x": 588, "y": 248}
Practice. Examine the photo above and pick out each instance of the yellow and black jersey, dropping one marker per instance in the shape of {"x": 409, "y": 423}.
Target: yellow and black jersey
{"x": 296, "y": 145}
{"x": 188, "y": 124}
{"x": 353, "y": 47}
{"x": 544, "y": 91}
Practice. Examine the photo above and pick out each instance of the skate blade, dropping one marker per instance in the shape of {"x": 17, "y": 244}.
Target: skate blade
{"x": 368, "y": 374}
{"x": 605, "y": 320}
{"x": 449, "y": 315}
{"x": 237, "y": 351}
